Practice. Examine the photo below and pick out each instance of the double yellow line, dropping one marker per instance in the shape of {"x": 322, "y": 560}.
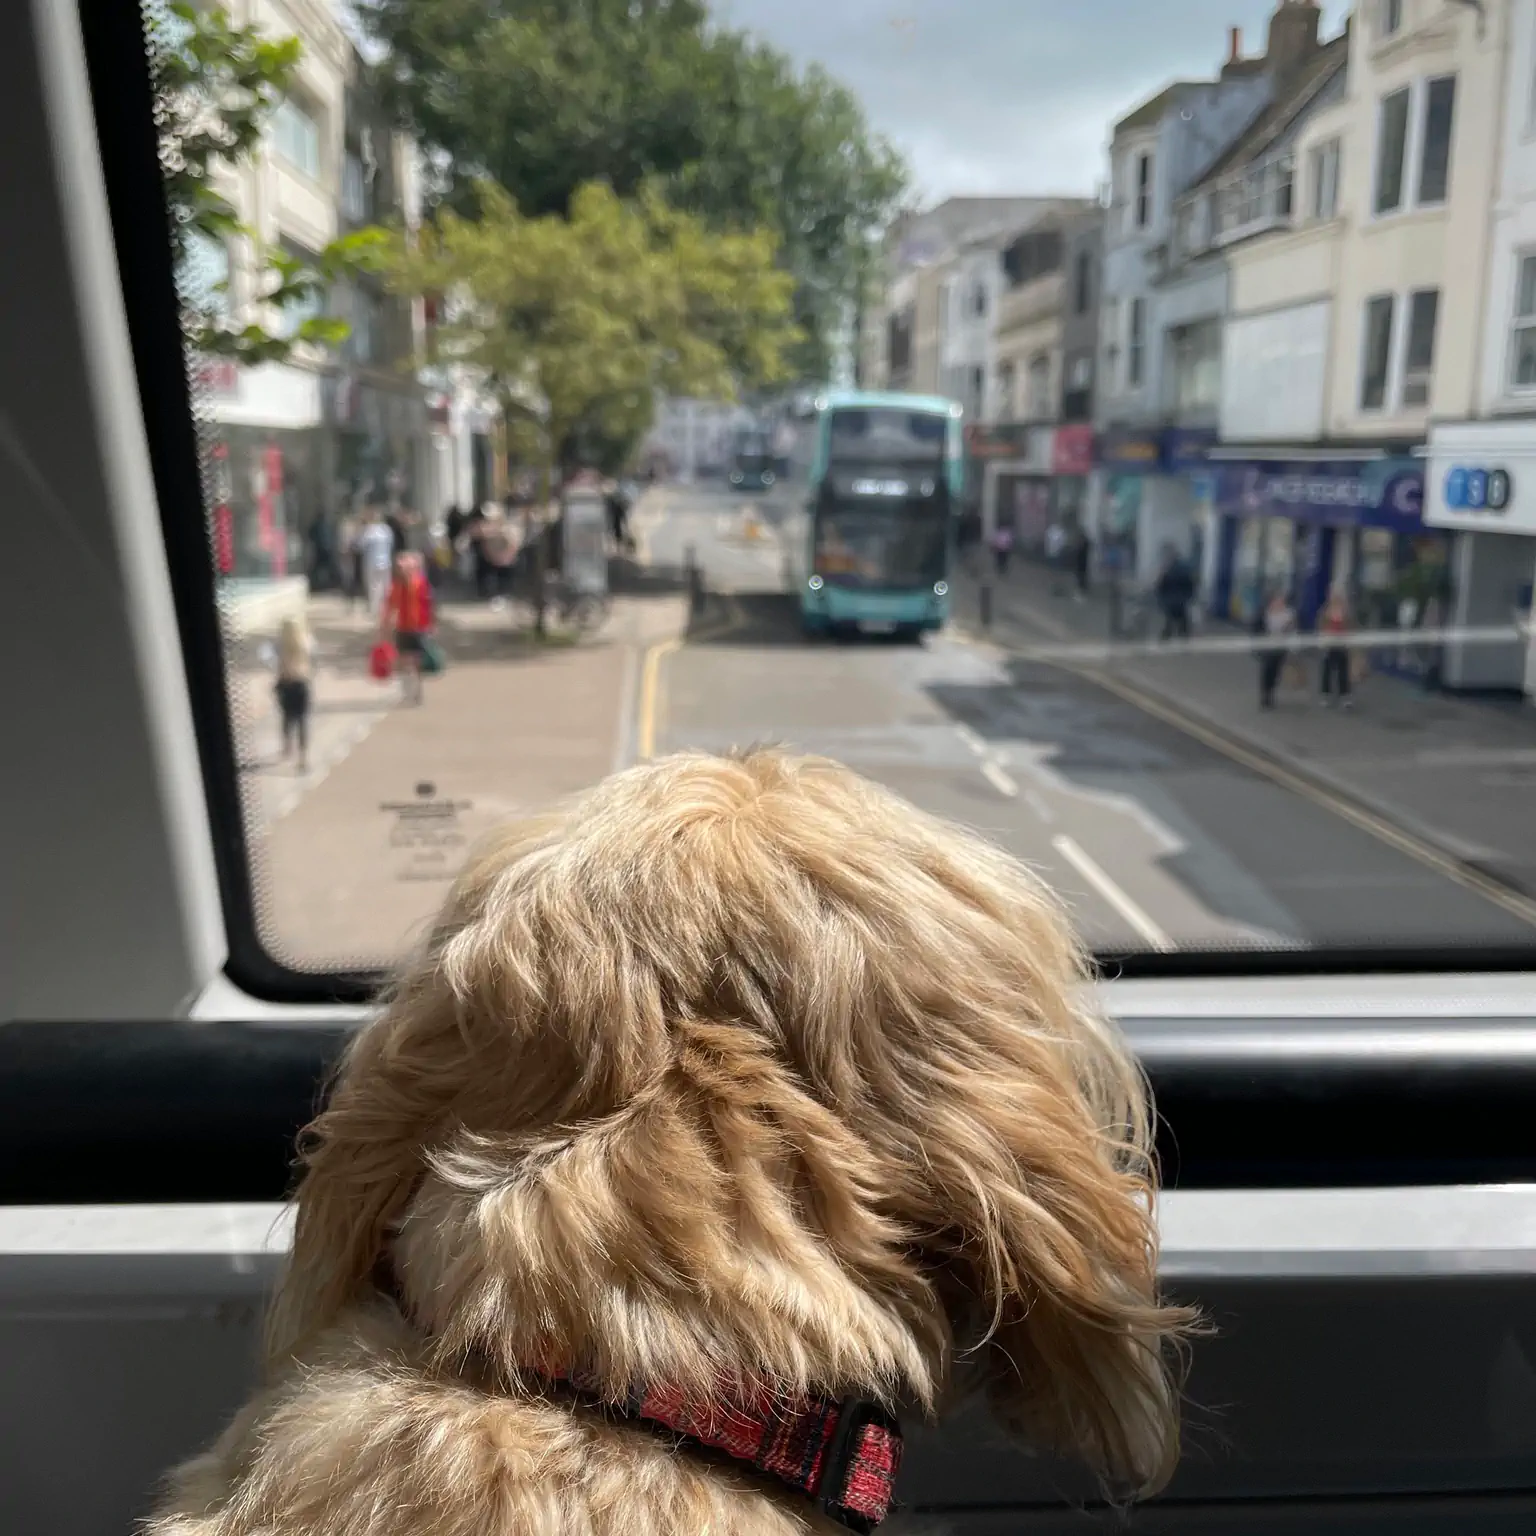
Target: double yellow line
{"x": 649, "y": 712}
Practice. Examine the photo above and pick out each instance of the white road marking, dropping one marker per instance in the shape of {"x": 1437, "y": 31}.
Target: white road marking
{"x": 1095, "y": 875}
{"x": 972, "y": 740}
{"x": 998, "y": 778}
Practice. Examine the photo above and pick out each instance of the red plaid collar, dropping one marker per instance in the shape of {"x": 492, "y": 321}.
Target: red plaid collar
{"x": 842, "y": 1456}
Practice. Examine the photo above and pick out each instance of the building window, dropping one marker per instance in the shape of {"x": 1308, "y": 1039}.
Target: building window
{"x": 1389, "y": 17}
{"x": 1037, "y": 388}
{"x": 1081, "y": 376}
{"x": 1416, "y": 126}
{"x": 312, "y": 305}
{"x": 1377, "y": 360}
{"x": 1523, "y": 342}
{"x": 1419, "y": 361}
{"x": 1392, "y": 151}
{"x": 1143, "y": 190}
{"x": 353, "y": 190}
{"x": 296, "y": 137}
{"x": 1005, "y": 391}
{"x": 1082, "y": 283}
{"x": 979, "y": 301}
{"x": 1136, "y": 346}
{"x": 1435, "y": 154}
{"x": 1196, "y": 363}
{"x": 1325, "y": 179}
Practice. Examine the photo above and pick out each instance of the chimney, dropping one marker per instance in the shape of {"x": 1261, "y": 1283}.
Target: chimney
{"x": 1293, "y": 34}
{"x": 1234, "y": 45}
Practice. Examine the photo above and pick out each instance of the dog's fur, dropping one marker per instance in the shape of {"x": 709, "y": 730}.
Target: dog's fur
{"x": 740, "y": 1069}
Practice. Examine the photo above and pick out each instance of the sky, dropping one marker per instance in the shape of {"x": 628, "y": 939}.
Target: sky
{"x": 1007, "y": 96}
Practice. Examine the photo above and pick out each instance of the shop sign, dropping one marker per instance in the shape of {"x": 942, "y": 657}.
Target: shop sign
{"x": 1072, "y": 451}
{"x": 1481, "y": 498}
{"x": 1186, "y": 448}
{"x": 218, "y": 377}
{"x": 1130, "y": 451}
{"x": 1385, "y": 493}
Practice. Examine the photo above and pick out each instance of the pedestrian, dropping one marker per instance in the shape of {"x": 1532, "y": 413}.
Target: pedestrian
{"x": 295, "y": 654}
{"x": 1175, "y": 592}
{"x": 1002, "y": 548}
{"x": 1055, "y": 557}
{"x": 348, "y": 542}
{"x": 1275, "y": 622}
{"x": 407, "y": 620}
{"x": 376, "y": 556}
{"x": 1082, "y": 559}
{"x": 1333, "y": 622}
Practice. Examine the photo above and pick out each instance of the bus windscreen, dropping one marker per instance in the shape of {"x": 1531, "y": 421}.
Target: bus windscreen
{"x": 887, "y": 436}
{"x": 891, "y": 546}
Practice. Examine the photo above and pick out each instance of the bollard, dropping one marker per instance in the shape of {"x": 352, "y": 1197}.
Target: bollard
{"x": 986, "y": 605}
{"x": 695, "y": 579}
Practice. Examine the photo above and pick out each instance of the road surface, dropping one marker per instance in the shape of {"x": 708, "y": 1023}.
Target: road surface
{"x": 1156, "y": 839}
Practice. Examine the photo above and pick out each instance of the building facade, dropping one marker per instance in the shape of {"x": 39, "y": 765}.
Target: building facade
{"x": 1482, "y": 467}
{"x": 1356, "y": 320}
{"x": 1154, "y": 304}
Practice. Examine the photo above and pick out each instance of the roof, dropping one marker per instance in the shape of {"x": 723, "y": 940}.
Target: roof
{"x": 1150, "y": 112}
{"x": 1053, "y": 213}
{"x": 1297, "y": 95}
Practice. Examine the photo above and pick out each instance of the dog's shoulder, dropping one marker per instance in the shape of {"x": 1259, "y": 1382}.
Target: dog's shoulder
{"x": 363, "y": 1438}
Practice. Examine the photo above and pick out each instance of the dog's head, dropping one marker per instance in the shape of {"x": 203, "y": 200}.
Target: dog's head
{"x": 744, "y": 1067}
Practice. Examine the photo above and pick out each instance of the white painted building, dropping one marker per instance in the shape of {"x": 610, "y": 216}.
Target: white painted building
{"x": 1482, "y": 466}
{"x": 1366, "y": 315}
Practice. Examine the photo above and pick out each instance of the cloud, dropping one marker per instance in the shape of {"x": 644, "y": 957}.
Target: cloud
{"x": 997, "y": 96}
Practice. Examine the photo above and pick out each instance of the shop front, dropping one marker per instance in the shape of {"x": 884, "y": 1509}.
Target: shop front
{"x": 1148, "y": 501}
{"x": 1312, "y": 528}
{"x": 1482, "y": 492}
{"x": 264, "y": 464}
{"x": 1030, "y": 478}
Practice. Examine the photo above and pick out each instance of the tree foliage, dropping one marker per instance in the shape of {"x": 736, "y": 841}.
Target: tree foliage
{"x": 577, "y": 321}
{"x": 216, "y": 85}
{"x": 545, "y": 96}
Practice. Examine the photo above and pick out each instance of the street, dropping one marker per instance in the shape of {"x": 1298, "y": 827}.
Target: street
{"x": 1157, "y": 838}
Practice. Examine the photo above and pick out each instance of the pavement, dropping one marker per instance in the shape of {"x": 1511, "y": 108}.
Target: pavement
{"x": 1160, "y": 830}
{"x": 1453, "y": 773}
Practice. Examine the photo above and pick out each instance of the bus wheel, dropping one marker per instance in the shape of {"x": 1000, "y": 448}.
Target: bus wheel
{"x": 909, "y": 634}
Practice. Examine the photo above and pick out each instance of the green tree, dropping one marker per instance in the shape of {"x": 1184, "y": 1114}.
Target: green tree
{"x": 577, "y": 322}
{"x": 544, "y": 96}
{"x": 216, "y": 84}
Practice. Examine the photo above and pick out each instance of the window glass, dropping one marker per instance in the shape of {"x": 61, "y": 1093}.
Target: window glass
{"x": 625, "y": 376}
{"x": 1391, "y": 151}
{"x": 296, "y": 137}
{"x": 1325, "y": 180}
{"x": 1523, "y": 342}
{"x": 1435, "y": 159}
{"x": 1419, "y": 360}
{"x": 1378, "y": 353}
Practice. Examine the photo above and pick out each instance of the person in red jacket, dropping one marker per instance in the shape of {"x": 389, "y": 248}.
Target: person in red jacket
{"x": 407, "y": 620}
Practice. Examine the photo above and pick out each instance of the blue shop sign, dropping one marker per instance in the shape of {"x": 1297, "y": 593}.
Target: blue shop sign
{"x": 1154, "y": 451}
{"x": 1377, "y": 493}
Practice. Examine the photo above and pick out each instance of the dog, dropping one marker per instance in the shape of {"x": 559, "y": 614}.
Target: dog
{"x": 718, "y": 1118}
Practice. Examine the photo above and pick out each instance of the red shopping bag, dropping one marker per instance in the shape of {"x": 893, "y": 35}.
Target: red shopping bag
{"x": 381, "y": 661}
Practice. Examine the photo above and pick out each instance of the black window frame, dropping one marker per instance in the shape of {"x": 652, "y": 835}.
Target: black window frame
{"x": 122, "y": 99}
{"x": 1377, "y": 304}
{"x": 1442, "y": 148}
{"x": 1379, "y": 208}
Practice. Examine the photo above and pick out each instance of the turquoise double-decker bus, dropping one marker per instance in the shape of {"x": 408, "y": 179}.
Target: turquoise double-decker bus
{"x": 867, "y": 511}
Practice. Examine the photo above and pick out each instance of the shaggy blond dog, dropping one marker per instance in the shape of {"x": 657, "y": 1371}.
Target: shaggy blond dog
{"x": 741, "y": 1087}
